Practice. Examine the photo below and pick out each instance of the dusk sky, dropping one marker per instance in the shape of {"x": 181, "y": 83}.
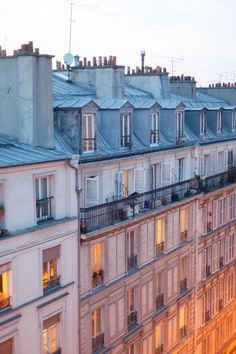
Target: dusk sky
{"x": 202, "y": 32}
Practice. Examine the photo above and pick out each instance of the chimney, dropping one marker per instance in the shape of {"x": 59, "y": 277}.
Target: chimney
{"x": 142, "y": 61}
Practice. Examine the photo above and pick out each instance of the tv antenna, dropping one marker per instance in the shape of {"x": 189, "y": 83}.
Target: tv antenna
{"x": 172, "y": 59}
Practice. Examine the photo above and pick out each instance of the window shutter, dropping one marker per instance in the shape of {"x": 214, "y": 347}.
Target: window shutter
{"x": 169, "y": 283}
{"x": 169, "y": 236}
{"x": 215, "y": 162}
{"x": 120, "y": 188}
{"x": 225, "y": 160}
{"x": 51, "y": 253}
{"x": 121, "y": 318}
{"x": 112, "y": 319}
{"x": 175, "y": 280}
{"x": 176, "y": 228}
{"x": 201, "y": 165}
{"x": 212, "y": 167}
{"x": 204, "y": 264}
{"x": 7, "y": 347}
{"x": 91, "y": 191}
{"x": 166, "y": 174}
{"x": 215, "y": 212}
{"x": 139, "y": 180}
{"x": 150, "y": 296}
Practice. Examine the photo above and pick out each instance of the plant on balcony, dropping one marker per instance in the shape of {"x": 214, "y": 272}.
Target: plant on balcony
{"x": 2, "y": 210}
{"x": 164, "y": 201}
{"x": 174, "y": 197}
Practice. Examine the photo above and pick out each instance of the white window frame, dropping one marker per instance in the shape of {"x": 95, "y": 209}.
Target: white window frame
{"x": 233, "y": 121}
{"x": 95, "y": 202}
{"x": 125, "y": 129}
{"x": 155, "y": 128}
{"x": 87, "y": 147}
{"x": 219, "y": 121}
{"x": 202, "y": 123}
{"x": 179, "y": 124}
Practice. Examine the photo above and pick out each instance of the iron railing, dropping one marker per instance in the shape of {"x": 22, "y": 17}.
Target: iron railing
{"x": 183, "y": 285}
{"x": 44, "y": 209}
{"x": 154, "y": 136}
{"x": 221, "y": 264}
{"x": 160, "y": 300}
{"x": 126, "y": 141}
{"x": 51, "y": 283}
{"x": 160, "y": 248}
{"x": 159, "y": 350}
{"x": 89, "y": 144}
{"x": 132, "y": 318}
{"x": 184, "y": 235}
{"x": 100, "y": 216}
{"x": 97, "y": 278}
{"x": 209, "y": 226}
{"x": 182, "y": 331}
{"x": 5, "y": 302}
{"x": 132, "y": 261}
{"x": 98, "y": 341}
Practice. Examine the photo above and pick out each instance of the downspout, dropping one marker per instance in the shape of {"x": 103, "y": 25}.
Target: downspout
{"x": 78, "y": 192}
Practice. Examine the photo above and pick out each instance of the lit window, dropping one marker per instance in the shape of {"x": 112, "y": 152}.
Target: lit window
{"x": 96, "y": 264}
{"x": 4, "y": 286}
{"x": 97, "y": 335}
{"x": 160, "y": 236}
{"x": 159, "y": 338}
{"x": 43, "y": 199}
{"x": 6, "y": 347}
{"x": 88, "y": 132}
{"x": 183, "y": 224}
{"x": 154, "y": 133}
{"x": 180, "y": 125}
{"x": 51, "y": 335}
{"x": 51, "y": 278}
{"x": 203, "y": 123}
{"x": 182, "y": 321}
{"x": 219, "y": 122}
{"x": 131, "y": 304}
{"x": 126, "y": 130}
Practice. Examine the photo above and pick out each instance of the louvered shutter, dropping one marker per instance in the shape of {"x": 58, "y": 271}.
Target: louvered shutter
{"x": 203, "y": 264}
{"x": 225, "y": 160}
{"x": 212, "y": 164}
{"x": 175, "y": 280}
{"x": 121, "y": 261}
{"x": 176, "y": 228}
{"x": 120, "y": 188}
{"x": 150, "y": 295}
{"x": 169, "y": 236}
{"x": 215, "y": 214}
{"x": 91, "y": 191}
{"x": 166, "y": 174}
{"x": 121, "y": 314}
{"x": 215, "y": 162}
{"x": 201, "y": 165}
{"x": 169, "y": 283}
{"x": 139, "y": 180}
{"x": 112, "y": 319}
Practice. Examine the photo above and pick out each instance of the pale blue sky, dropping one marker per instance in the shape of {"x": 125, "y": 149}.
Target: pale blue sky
{"x": 201, "y": 31}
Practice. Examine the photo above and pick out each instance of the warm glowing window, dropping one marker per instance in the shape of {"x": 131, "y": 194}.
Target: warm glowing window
{"x": 160, "y": 231}
{"x": 4, "y": 281}
{"x": 131, "y": 299}
{"x": 182, "y": 316}
{"x": 51, "y": 335}
{"x": 50, "y": 267}
{"x": 96, "y": 257}
{"x": 96, "y": 322}
{"x": 88, "y": 132}
{"x": 183, "y": 220}
{"x": 159, "y": 335}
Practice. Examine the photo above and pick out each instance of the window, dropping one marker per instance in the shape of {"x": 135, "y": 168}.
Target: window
{"x": 133, "y": 348}
{"x": 51, "y": 278}
{"x": 182, "y": 321}
{"x": 222, "y": 204}
{"x": 183, "y": 224}
{"x": 160, "y": 286}
{"x": 51, "y": 335}
{"x": 96, "y": 264}
{"x": 172, "y": 331}
{"x": 160, "y": 235}
{"x": 7, "y": 347}
{"x": 124, "y": 182}
{"x": 88, "y": 132}
{"x": 181, "y": 167}
{"x": 180, "y": 125}
{"x": 202, "y": 123}
{"x": 126, "y": 130}
{"x": 230, "y": 159}
{"x": 159, "y": 338}
{"x": 43, "y": 199}
{"x": 97, "y": 334}
{"x": 131, "y": 250}
{"x": 91, "y": 191}
{"x": 154, "y": 133}
{"x": 183, "y": 273}
{"x": 233, "y": 121}
{"x": 232, "y": 206}
{"x": 219, "y": 122}
{"x": 2, "y": 209}
{"x": 4, "y": 286}
{"x": 131, "y": 304}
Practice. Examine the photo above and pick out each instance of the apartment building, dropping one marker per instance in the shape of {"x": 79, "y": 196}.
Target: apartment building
{"x": 38, "y": 216}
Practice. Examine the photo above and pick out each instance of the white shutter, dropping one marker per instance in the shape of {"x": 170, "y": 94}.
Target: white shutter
{"x": 212, "y": 169}
{"x": 166, "y": 174}
{"x": 111, "y": 243}
{"x": 112, "y": 319}
{"x": 143, "y": 243}
{"x": 214, "y": 257}
{"x": 225, "y": 160}
{"x": 91, "y": 191}
{"x": 120, "y": 188}
{"x": 201, "y": 165}
{"x": 139, "y": 180}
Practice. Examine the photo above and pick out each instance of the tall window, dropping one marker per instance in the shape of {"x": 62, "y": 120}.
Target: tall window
{"x": 160, "y": 235}
{"x": 183, "y": 273}
{"x": 219, "y": 122}
{"x": 88, "y": 132}
{"x": 184, "y": 224}
{"x": 154, "y": 133}
{"x": 131, "y": 304}
{"x": 51, "y": 277}
{"x": 91, "y": 191}
{"x": 131, "y": 250}
{"x": 182, "y": 321}
{"x": 97, "y": 334}
{"x": 203, "y": 123}
{"x": 180, "y": 125}
{"x": 181, "y": 167}
{"x": 126, "y": 129}
{"x": 4, "y": 285}
{"x": 51, "y": 335}
{"x": 159, "y": 338}
{"x": 232, "y": 203}
{"x": 6, "y": 347}
{"x": 43, "y": 198}
{"x": 230, "y": 159}
{"x": 160, "y": 286}
{"x": 96, "y": 264}
{"x": 233, "y": 121}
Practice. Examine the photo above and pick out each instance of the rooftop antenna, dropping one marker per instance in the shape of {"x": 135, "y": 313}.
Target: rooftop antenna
{"x": 173, "y": 60}
{"x": 71, "y": 19}
{"x": 142, "y": 60}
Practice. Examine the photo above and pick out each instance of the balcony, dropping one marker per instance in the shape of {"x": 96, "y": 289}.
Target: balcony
{"x": 131, "y": 318}
{"x": 132, "y": 261}
{"x": 221, "y": 304}
{"x": 51, "y": 283}
{"x": 97, "y": 278}
{"x": 207, "y": 316}
{"x": 44, "y": 209}
{"x": 154, "y": 136}
{"x": 5, "y": 302}
{"x": 160, "y": 300}
{"x": 221, "y": 264}
{"x": 209, "y": 226}
{"x": 183, "y": 285}
{"x": 107, "y": 214}
{"x": 182, "y": 331}
{"x": 126, "y": 141}
{"x": 98, "y": 341}
{"x": 159, "y": 350}
{"x": 89, "y": 145}
{"x": 160, "y": 248}
{"x": 208, "y": 270}
{"x": 184, "y": 235}
{"x": 58, "y": 351}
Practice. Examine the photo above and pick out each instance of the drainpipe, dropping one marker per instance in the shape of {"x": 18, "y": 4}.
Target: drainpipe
{"x": 78, "y": 192}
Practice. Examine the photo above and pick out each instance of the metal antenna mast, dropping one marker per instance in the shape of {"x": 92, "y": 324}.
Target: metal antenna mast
{"x": 71, "y": 19}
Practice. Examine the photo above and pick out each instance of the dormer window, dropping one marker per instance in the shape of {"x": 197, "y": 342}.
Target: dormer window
{"x": 233, "y": 121}
{"x": 126, "y": 130}
{"x": 202, "y": 123}
{"x": 219, "y": 122}
{"x": 154, "y": 132}
{"x": 88, "y": 132}
{"x": 180, "y": 125}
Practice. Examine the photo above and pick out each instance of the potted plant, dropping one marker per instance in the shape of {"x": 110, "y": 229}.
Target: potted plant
{"x": 2, "y": 210}
{"x": 174, "y": 196}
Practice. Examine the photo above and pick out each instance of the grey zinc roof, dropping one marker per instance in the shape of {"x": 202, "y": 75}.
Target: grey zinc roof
{"x": 170, "y": 103}
{"x": 63, "y": 87}
{"x": 110, "y": 103}
{"x": 71, "y": 102}
{"x": 13, "y": 153}
{"x": 144, "y": 103}
{"x": 131, "y": 91}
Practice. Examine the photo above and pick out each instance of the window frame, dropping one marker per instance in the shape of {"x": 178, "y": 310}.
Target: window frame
{"x": 202, "y": 123}
{"x": 155, "y": 128}
{"x": 85, "y": 129}
{"x": 125, "y": 129}
{"x": 219, "y": 122}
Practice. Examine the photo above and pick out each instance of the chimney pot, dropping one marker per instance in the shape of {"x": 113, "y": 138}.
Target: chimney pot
{"x": 94, "y": 61}
{"x": 36, "y": 50}
{"x": 85, "y": 61}
{"x": 164, "y": 70}
{"x": 133, "y": 71}
{"x": 105, "y": 61}
{"x": 128, "y": 70}
{"x": 114, "y": 61}
{"x": 110, "y": 60}
{"x": 4, "y": 53}
{"x": 30, "y": 46}
{"x": 89, "y": 63}
{"x": 100, "y": 61}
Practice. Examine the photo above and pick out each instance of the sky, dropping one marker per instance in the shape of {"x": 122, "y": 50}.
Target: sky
{"x": 197, "y": 36}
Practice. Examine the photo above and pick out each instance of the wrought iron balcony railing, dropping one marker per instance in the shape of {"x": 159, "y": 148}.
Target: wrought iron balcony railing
{"x": 44, "y": 209}
{"x": 182, "y": 331}
{"x": 209, "y": 226}
{"x": 89, "y": 144}
{"x": 184, "y": 235}
{"x": 183, "y": 285}
{"x": 5, "y": 302}
{"x": 97, "y": 278}
{"x": 51, "y": 283}
{"x": 159, "y": 350}
{"x": 154, "y": 136}
{"x": 208, "y": 270}
{"x": 160, "y": 300}
{"x": 132, "y": 318}
{"x": 100, "y": 216}
{"x": 207, "y": 316}
{"x": 98, "y": 341}
{"x": 221, "y": 264}
{"x": 160, "y": 248}
{"x": 132, "y": 261}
